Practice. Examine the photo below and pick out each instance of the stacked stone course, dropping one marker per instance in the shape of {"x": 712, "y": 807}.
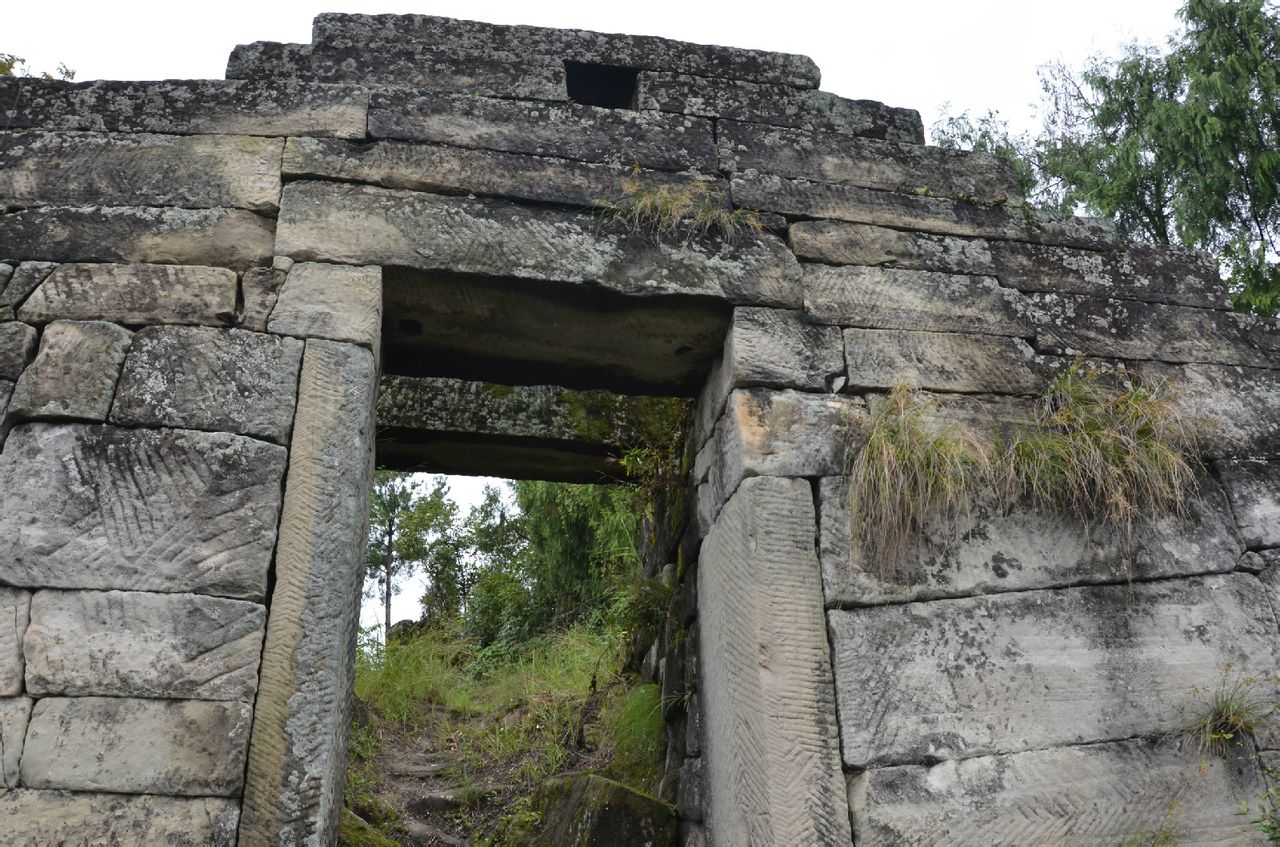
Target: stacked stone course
{"x": 200, "y": 280}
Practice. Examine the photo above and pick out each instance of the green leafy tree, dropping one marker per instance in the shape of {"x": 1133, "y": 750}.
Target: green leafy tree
{"x": 14, "y": 65}
{"x": 407, "y": 526}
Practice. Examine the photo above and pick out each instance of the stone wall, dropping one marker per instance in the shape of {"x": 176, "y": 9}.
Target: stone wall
{"x": 201, "y": 280}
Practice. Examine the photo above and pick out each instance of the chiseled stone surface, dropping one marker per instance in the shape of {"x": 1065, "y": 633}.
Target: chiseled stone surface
{"x": 132, "y": 746}
{"x": 186, "y": 107}
{"x": 1239, "y": 408}
{"x": 443, "y": 169}
{"x": 1031, "y": 669}
{"x": 133, "y": 644}
{"x": 14, "y": 714}
{"x": 867, "y": 162}
{"x": 362, "y": 225}
{"x": 17, "y": 348}
{"x": 1102, "y": 794}
{"x": 942, "y": 361}
{"x": 24, "y": 280}
{"x": 778, "y": 105}
{"x": 73, "y": 377}
{"x": 224, "y": 380}
{"x": 134, "y": 294}
{"x": 117, "y": 169}
{"x": 771, "y": 740}
{"x": 889, "y": 298}
{"x": 336, "y": 302}
{"x": 15, "y": 606}
{"x": 1253, "y": 487}
{"x": 293, "y": 792}
{"x": 910, "y": 211}
{"x": 991, "y": 549}
{"x": 91, "y": 506}
{"x": 233, "y": 238}
{"x": 37, "y": 818}
{"x": 564, "y": 130}
{"x": 259, "y": 288}
{"x": 781, "y": 349}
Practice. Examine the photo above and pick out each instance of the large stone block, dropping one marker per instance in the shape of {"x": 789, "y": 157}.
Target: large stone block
{"x": 1129, "y": 330}
{"x": 376, "y": 32}
{"x": 36, "y": 818}
{"x": 841, "y": 243}
{"x": 123, "y": 745}
{"x": 134, "y": 294}
{"x": 330, "y": 301}
{"x": 563, "y": 130}
{"x": 1104, "y": 794}
{"x": 442, "y": 169}
{"x": 14, "y": 715}
{"x": 74, "y": 375}
{"x": 777, "y": 348}
{"x": 132, "y": 644}
{"x": 232, "y": 238}
{"x": 887, "y": 298}
{"x": 1236, "y": 409}
{"x": 17, "y": 348}
{"x": 993, "y": 549}
{"x": 1026, "y": 670}
{"x": 363, "y": 225}
{"x": 1253, "y": 487}
{"x": 911, "y": 211}
{"x": 867, "y": 162}
{"x": 196, "y": 377}
{"x": 770, "y": 754}
{"x": 293, "y": 790}
{"x": 778, "y": 105}
{"x": 85, "y": 506}
{"x": 186, "y": 107}
{"x": 194, "y": 172}
{"x": 259, "y": 289}
{"x": 15, "y": 606}
{"x": 942, "y": 361}
{"x": 25, "y": 278}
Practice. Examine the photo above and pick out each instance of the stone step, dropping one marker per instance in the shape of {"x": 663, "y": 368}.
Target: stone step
{"x": 448, "y": 799}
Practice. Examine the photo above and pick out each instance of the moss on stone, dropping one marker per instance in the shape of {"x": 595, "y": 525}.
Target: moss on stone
{"x": 354, "y": 831}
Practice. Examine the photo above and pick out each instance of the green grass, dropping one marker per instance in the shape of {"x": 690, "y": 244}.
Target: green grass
{"x": 631, "y": 737}
{"x": 692, "y": 210}
{"x": 1220, "y": 720}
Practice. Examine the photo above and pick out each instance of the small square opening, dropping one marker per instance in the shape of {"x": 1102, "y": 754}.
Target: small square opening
{"x": 601, "y": 85}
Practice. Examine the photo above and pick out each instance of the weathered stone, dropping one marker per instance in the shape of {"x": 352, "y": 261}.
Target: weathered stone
{"x": 17, "y": 348}
{"x": 376, "y": 32}
{"x": 1253, "y": 487}
{"x": 942, "y": 361}
{"x": 186, "y": 107}
{"x": 781, "y": 433}
{"x": 14, "y": 714}
{"x": 347, "y": 224}
{"x": 844, "y": 159}
{"x": 777, "y": 105}
{"x": 1130, "y": 330}
{"x": 85, "y": 506}
{"x": 911, "y": 211}
{"x": 35, "y": 818}
{"x": 579, "y": 810}
{"x": 25, "y": 278}
{"x": 563, "y": 130}
{"x": 425, "y": 67}
{"x": 992, "y": 549}
{"x": 771, "y": 759}
{"x": 14, "y": 614}
{"x": 441, "y": 169}
{"x": 74, "y": 375}
{"x": 6, "y": 272}
{"x": 6, "y": 391}
{"x": 259, "y": 288}
{"x": 330, "y": 301}
{"x": 232, "y": 238}
{"x": 776, "y": 348}
{"x": 1121, "y": 793}
{"x": 119, "y": 744}
{"x": 692, "y": 800}
{"x": 293, "y": 789}
{"x": 841, "y": 243}
{"x": 134, "y": 294}
{"x": 131, "y": 644}
{"x": 887, "y": 298}
{"x": 1236, "y": 409}
{"x": 1035, "y": 669}
{"x": 194, "y": 172}
{"x": 224, "y": 380}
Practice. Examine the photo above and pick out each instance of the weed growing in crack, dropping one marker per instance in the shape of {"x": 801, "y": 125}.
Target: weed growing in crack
{"x": 1222, "y": 719}
{"x": 690, "y": 211}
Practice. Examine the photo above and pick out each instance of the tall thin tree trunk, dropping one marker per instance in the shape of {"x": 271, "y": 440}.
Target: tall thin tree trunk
{"x": 386, "y": 590}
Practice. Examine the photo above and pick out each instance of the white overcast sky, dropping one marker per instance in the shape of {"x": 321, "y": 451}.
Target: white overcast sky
{"x": 974, "y": 54}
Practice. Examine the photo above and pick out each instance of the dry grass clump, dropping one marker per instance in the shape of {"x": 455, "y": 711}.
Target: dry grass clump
{"x": 907, "y": 472}
{"x": 692, "y": 211}
{"x": 1222, "y": 718}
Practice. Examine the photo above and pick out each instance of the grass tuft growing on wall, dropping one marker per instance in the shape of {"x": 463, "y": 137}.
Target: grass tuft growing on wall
{"x": 690, "y": 211}
{"x": 1221, "y": 719}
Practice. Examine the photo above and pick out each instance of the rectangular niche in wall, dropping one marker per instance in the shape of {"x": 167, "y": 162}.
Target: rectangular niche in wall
{"x": 601, "y": 85}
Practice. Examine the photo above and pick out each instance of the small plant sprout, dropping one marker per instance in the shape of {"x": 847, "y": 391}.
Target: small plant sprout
{"x": 1222, "y": 719}
{"x": 908, "y": 471}
{"x": 692, "y": 210}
